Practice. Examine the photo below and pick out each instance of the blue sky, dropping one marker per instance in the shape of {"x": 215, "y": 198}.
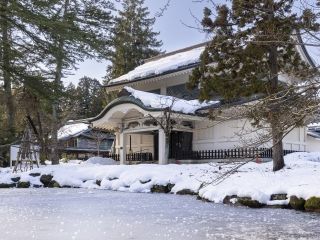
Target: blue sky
{"x": 173, "y": 33}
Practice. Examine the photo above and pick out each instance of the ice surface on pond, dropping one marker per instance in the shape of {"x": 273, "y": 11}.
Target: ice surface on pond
{"x": 94, "y": 214}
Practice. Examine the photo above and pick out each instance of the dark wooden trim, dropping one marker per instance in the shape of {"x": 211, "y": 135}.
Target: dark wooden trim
{"x": 239, "y": 153}
{"x": 139, "y": 157}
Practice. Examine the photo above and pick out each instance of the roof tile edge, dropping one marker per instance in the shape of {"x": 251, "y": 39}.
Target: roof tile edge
{"x": 176, "y": 51}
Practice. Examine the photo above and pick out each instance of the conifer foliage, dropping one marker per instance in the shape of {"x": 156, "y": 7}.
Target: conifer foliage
{"x": 90, "y": 96}
{"x": 75, "y": 30}
{"x": 133, "y": 38}
{"x": 254, "y": 42}
{"x": 40, "y": 42}
{"x": 19, "y": 55}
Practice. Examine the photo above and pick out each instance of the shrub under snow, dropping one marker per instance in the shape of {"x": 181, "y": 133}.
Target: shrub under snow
{"x": 299, "y": 178}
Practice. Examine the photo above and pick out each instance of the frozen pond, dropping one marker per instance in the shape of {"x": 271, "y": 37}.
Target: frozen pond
{"x": 63, "y": 214}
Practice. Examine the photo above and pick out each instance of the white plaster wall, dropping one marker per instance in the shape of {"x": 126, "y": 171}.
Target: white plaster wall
{"x": 296, "y": 140}
{"x": 209, "y": 136}
{"x": 313, "y": 144}
{"x": 140, "y": 143}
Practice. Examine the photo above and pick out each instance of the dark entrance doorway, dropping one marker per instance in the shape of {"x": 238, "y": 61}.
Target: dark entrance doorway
{"x": 180, "y": 142}
{"x": 156, "y": 146}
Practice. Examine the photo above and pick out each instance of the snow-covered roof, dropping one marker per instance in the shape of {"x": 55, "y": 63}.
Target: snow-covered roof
{"x": 158, "y": 101}
{"x": 162, "y": 64}
{"x": 314, "y": 124}
{"x": 314, "y": 53}
{"x": 188, "y": 57}
{"x": 72, "y": 130}
{"x": 314, "y": 130}
{"x": 310, "y": 47}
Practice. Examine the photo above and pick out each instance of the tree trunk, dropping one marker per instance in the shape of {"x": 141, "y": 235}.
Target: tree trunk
{"x": 55, "y": 105}
{"x": 59, "y": 56}
{"x": 54, "y": 136}
{"x": 55, "y": 117}
{"x": 277, "y": 149}
{"x": 5, "y": 45}
{"x": 275, "y": 124}
{"x": 43, "y": 143}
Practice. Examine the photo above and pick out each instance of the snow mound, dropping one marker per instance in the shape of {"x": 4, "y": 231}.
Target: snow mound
{"x": 162, "y": 65}
{"x": 161, "y": 101}
{"x": 304, "y": 156}
{"x": 299, "y": 177}
{"x": 75, "y": 161}
{"x": 100, "y": 161}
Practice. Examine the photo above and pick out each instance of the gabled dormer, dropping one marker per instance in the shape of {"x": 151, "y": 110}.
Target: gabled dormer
{"x": 166, "y": 74}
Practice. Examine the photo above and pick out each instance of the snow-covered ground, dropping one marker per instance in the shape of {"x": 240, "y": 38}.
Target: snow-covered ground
{"x": 300, "y": 177}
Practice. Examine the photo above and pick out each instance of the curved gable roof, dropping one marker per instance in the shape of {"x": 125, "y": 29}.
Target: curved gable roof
{"x": 155, "y": 102}
{"x": 123, "y": 100}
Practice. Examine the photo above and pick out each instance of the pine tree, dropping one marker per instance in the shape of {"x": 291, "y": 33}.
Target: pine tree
{"x": 35, "y": 109}
{"x": 19, "y": 55}
{"x": 253, "y": 43}
{"x": 40, "y": 41}
{"x": 75, "y": 30}
{"x": 133, "y": 38}
{"x": 69, "y": 104}
{"x": 90, "y": 97}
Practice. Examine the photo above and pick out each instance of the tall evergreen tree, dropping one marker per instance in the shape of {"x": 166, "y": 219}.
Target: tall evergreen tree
{"x": 75, "y": 30}
{"x": 253, "y": 43}
{"x": 133, "y": 38}
{"x": 19, "y": 52}
{"x": 41, "y": 40}
{"x": 90, "y": 97}
{"x": 70, "y": 100}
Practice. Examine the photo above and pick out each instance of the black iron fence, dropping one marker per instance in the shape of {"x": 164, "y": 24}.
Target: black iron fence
{"x": 139, "y": 157}
{"x": 237, "y": 153}
{"x": 134, "y": 157}
{"x": 114, "y": 156}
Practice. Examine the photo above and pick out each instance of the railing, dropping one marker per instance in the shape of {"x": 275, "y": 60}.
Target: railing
{"x": 205, "y": 154}
{"x": 139, "y": 157}
{"x": 134, "y": 157}
{"x": 114, "y": 156}
{"x": 228, "y": 153}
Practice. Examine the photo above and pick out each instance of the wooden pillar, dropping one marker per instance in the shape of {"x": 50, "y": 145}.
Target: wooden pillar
{"x": 162, "y": 148}
{"x": 122, "y": 150}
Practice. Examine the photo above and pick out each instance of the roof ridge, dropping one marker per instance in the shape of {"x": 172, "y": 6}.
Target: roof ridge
{"x": 175, "y": 52}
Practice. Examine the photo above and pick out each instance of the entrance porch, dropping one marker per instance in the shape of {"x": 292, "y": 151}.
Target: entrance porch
{"x": 139, "y": 134}
{"x": 149, "y": 147}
